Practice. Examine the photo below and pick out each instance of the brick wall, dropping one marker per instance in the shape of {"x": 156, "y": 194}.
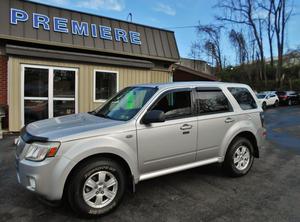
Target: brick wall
{"x": 3, "y": 87}
{"x": 3, "y": 80}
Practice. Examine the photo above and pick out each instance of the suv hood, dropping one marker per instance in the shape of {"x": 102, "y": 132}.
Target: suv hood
{"x": 75, "y": 125}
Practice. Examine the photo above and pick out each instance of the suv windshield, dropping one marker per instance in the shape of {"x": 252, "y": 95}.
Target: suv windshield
{"x": 126, "y": 104}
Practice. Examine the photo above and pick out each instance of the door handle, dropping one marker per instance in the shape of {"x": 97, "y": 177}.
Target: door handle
{"x": 229, "y": 120}
{"x": 186, "y": 127}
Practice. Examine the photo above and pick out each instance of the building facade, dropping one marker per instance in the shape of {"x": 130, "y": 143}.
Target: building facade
{"x": 55, "y": 61}
{"x": 197, "y": 65}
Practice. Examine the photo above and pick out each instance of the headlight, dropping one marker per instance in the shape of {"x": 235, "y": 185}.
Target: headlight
{"x": 39, "y": 151}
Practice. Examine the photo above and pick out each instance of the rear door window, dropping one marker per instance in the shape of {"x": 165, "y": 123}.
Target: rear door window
{"x": 211, "y": 102}
{"x": 243, "y": 97}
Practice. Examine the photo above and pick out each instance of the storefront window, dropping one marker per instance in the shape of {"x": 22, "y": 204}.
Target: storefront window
{"x": 36, "y": 82}
{"x": 35, "y": 110}
{"x": 105, "y": 85}
{"x": 64, "y": 83}
{"x": 62, "y": 107}
{"x": 48, "y": 92}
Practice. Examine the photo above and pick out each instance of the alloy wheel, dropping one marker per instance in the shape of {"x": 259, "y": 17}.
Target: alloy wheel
{"x": 100, "y": 189}
{"x": 241, "y": 158}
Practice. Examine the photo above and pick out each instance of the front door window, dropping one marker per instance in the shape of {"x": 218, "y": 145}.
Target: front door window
{"x": 48, "y": 92}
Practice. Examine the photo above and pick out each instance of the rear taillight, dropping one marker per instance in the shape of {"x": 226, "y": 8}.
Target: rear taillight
{"x": 262, "y": 119}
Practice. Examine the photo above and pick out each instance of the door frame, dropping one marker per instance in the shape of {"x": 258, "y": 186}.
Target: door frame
{"x": 50, "y": 88}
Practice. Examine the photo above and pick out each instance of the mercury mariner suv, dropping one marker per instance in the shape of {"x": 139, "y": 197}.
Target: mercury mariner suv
{"x": 142, "y": 132}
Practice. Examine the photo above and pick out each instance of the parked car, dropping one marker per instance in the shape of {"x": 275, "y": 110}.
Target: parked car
{"x": 144, "y": 131}
{"x": 288, "y": 97}
{"x": 267, "y": 99}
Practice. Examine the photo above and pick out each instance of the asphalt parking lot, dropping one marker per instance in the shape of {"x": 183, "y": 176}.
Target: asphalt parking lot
{"x": 270, "y": 192}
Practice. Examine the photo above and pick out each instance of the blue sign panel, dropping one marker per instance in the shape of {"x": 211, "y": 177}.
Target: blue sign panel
{"x": 63, "y": 25}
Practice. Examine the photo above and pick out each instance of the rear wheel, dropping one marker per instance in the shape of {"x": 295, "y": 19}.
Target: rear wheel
{"x": 239, "y": 157}
{"x": 264, "y": 106}
{"x": 97, "y": 187}
{"x": 276, "y": 103}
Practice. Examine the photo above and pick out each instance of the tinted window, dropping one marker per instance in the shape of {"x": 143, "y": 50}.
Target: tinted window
{"x": 243, "y": 97}
{"x": 175, "y": 104}
{"x": 105, "y": 85}
{"x": 211, "y": 102}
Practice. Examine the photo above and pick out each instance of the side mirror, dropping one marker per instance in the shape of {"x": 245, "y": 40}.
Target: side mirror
{"x": 154, "y": 116}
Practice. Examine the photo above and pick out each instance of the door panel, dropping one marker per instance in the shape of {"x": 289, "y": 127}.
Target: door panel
{"x": 211, "y": 132}
{"x": 215, "y": 118}
{"x": 167, "y": 144}
{"x": 173, "y": 142}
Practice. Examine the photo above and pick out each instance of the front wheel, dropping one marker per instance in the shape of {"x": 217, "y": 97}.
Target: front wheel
{"x": 264, "y": 106}
{"x": 97, "y": 187}
{"x": 239, "y": 157}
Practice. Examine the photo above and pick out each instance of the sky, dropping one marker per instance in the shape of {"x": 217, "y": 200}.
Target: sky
{"x": 171, "y": 14}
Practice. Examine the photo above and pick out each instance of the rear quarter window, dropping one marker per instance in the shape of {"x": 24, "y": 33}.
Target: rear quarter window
{"x": 243, "y": 97}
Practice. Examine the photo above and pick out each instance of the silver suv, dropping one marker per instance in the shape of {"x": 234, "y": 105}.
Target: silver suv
{"x": 144, "y": 131}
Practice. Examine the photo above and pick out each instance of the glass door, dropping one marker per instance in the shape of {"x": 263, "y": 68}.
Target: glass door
{"x": 36, "y": 94}
{"x": 48, "y": 92}
{"x": 64, "y": 92}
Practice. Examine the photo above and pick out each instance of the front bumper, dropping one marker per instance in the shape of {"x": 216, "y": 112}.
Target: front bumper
{"x": 45, "y": 178}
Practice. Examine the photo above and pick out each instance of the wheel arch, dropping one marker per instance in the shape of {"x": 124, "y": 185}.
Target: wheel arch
{"x": 110, "y": 156}
{"x": 251, "y": 137}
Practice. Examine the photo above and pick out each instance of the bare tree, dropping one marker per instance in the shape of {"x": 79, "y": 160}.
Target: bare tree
{"x": 243, "y": 12}
{"x": 281, "y": 17}
{"x": 195, "y": 52}
{"x": 271, "y": 31}
{"x": 278, "y": 17}
{"x": 210, "y": 43}
{"x": 238, "y": 41}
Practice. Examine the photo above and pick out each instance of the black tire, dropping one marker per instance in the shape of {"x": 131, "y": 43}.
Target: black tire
{"x": 228, "y": 163}
{"x": 276, "y": 103}
{"x": 264, "y": 106}
{"x": 75, "y": 187}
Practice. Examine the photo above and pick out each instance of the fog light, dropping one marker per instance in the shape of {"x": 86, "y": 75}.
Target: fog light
{"x": 32, "y": 184}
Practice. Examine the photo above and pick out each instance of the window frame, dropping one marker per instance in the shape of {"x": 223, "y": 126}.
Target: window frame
{"x": 172, "y": 91}
{"x": 210, "y": 89}
{"x": 94, "y": 83}
{"x": 51, "y": 98}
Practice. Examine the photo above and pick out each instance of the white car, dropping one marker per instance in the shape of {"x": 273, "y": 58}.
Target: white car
{"x": 267, "y": 99}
